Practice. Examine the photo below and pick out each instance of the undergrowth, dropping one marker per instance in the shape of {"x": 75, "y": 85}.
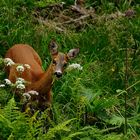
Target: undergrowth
{"x": 87, "y": 104}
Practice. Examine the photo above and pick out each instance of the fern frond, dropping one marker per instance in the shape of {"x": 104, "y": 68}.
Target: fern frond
{"x": 72, "y": 135}
{"x": 5, "y": 121}
{"x": 13, "y": 120}
{"x": 117, "y": 120}
{"x": 10, "y": 110}
{"x": 58, "y": 128}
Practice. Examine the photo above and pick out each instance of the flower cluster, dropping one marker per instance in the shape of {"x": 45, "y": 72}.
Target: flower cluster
{"x": 20, "y": 83}
{"x": 20, "y": 68}
{"x": 27, "y": 95}
{"x": 2, "y": 85}
{"x": 33, "y": 92}
{"x": 21, "y": 86}
{"x": 8, "y": 62}
{"x": 7, "y": 81}
{"x": 74, "y": 66}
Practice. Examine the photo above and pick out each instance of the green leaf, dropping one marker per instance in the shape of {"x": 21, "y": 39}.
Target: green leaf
{"x": 117, "y": 120}
{"x": 58, "y": 128}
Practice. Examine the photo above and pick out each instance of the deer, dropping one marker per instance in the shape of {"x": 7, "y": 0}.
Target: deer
{"x": 38, "y": 79}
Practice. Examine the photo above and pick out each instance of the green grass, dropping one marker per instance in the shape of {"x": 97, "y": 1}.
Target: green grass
{"x": 87, "y": 104}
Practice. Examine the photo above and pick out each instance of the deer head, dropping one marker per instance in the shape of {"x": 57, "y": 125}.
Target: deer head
{"x": 59, "y": 59}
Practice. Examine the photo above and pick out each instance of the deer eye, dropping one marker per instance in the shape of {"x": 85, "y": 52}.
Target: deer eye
{"x": 65, "y": 64}
{"x": 54, "y": 62}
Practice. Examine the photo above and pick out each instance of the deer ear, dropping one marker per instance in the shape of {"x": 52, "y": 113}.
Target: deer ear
{"x": 53, "y": 47}
{"x": 73, "y": 53}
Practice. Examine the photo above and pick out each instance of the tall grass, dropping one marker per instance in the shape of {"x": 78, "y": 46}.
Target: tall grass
{"x": 87, "y": 104}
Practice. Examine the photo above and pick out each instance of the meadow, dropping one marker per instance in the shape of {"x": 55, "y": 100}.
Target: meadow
{"x": 99, "y": 102}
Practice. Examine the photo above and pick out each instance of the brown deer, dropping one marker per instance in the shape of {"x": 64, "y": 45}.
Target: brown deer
{"x": 38, "y": 80}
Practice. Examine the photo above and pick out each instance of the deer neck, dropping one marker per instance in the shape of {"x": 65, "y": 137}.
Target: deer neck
{"x": 44, "y": 84}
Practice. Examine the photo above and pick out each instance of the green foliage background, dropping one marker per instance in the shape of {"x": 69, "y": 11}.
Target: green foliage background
{"x": 87, "y": 104}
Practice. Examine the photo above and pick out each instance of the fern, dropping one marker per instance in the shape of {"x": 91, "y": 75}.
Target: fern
{"x": 4, "y": 97}
{"x": 114, "y": 136}
{"x": 9, "y": 110}
{"x": 13, "y": 120}
{"x": 71, "y": 136}
{"x": 117, "y": 120}
{"x": 57, "y": 129}
{"x": 5, "y": 121}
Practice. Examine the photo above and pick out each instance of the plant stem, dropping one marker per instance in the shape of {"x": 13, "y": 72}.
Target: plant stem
{"x": 126, "y": 89}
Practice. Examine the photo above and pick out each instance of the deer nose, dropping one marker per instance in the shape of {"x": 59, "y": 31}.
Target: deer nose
{"x": 58, "y": 74}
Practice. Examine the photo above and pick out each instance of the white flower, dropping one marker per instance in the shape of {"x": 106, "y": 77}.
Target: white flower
{"x": 8, "y": 62}
{"x": 74, "y": 66}
{"x": 21, "y": 86}
{"x": 33, "y": 92}
{"x": 20, "y": 68}
{"x": 26, "y": 96}
{"x": 2, "y": 85}
{"x": 27, "y": 66}
{"x": 63, "y": 3}
{"x": 7, "y": 81}
{"x": 20, "y": 81}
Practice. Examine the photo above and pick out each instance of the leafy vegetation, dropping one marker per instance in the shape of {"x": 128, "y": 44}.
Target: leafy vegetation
{"x": 100, "y": 102}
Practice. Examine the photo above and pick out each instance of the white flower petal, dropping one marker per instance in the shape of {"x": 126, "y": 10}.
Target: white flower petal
{"x": 20, "y": 68}
{"x": 33, "y": 92}
{"x": 21, "y": 86}
{"x": 74, "y": 66}
{"x": 27, "y": 66}
{"x": 20, "y": 80}
{"x": 7, "y": 81}
{"x": 26, "y": 96}
{"x": 2, "y": 85}
{"x": 8, "y": 62}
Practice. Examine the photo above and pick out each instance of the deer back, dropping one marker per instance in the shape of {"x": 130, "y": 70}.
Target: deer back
{"x": 24, "y": 54}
